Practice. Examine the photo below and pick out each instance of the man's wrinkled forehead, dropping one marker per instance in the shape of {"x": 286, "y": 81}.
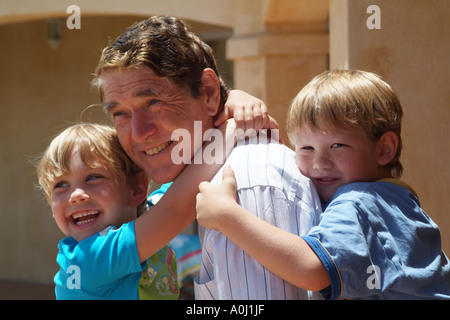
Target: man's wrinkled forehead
{"x": 118, "y": 85}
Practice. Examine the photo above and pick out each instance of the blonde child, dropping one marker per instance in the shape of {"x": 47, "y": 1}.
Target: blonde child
{"x": 373, "y": 240}
{"x": 96, "y": 192}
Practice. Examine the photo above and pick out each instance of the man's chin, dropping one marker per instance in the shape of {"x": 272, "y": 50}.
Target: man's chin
{"x": 165, "y": 174}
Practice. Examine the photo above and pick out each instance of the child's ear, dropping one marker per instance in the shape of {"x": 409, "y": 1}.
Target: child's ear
{"x": 139, "y": 191}
{"x": 387, "y": 147}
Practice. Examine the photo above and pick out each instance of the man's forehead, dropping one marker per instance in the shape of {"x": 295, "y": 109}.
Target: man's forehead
{"x": 131, "y": 81}
{"x": 119, "y": 84}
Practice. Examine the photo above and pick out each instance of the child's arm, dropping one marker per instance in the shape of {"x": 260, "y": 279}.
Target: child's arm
{"x": 283, "y": 253}
{"x": 176, "y": 209}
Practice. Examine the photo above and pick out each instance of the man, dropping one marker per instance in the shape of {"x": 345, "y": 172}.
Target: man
{"x": 159, "y": 77}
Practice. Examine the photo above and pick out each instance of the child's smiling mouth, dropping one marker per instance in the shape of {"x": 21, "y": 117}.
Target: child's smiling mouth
{"x": 326, "y": 181}
{"x": 81, "y": 218}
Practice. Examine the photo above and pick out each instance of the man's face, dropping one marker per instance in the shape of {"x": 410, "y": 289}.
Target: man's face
{"x": 146, "y": 109}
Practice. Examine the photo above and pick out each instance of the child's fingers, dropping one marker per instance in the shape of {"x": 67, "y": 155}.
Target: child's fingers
{"x": 228, "y": 177}
{"x": 261, "y": 117}
{"x": 239, "y": 117}
{"x": 203, "y": 186}
{"x": 223, "y": 116}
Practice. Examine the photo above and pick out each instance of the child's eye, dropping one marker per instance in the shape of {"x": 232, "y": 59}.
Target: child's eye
{"x": 337, "y": 145}
{"x": 60, "y": 185}
{"x": 307, "y": 148}
{"x": 94, "y": 177}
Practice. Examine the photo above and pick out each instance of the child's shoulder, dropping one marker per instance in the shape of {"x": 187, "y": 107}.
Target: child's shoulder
{"x": 384, "y": 188}
{"x": 390, "y": 202}
{"x": 396, "y": 183}
{"x": 70, "y": 246}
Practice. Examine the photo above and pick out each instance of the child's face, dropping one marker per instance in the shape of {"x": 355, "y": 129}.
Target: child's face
{"x": 336, "y": 157}
{"x": 86, "y": 201}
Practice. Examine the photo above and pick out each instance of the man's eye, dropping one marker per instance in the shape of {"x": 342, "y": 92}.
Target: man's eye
{"x": 116, "y": 114}
{"x": 152, "y": 102}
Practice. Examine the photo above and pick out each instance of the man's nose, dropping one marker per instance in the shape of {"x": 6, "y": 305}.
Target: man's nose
{"x": 142, "y": 126}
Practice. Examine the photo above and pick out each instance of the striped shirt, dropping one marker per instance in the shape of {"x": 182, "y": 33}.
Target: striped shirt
{"x": 270, "y": 186}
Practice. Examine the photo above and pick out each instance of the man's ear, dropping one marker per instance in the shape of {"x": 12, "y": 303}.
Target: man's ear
{"x": 387, "y": 147}
{"x": 210, "y": 91}
{"x": 139, "y": 190}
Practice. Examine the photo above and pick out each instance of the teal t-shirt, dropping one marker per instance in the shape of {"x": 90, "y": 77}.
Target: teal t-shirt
{"x": 106, "y": 266}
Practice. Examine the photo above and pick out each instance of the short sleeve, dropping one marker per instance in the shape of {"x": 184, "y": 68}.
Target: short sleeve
{"x": 339, "y": 243}
{"x": 101, "y": 259}
{"x": 355, "y": 241}
{"x": 350, "y": 250}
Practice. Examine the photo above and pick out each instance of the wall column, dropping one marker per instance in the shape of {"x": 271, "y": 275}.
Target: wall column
{"x": 274, "y": 58}
{"x": 408, "y": 51}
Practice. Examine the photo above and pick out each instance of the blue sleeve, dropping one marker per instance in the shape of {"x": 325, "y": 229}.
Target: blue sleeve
{"x": 345, "y": 243}
{"x": 335, "y": 289}
{"x": 154, "y": 197}
{"x": 102, "y": 258}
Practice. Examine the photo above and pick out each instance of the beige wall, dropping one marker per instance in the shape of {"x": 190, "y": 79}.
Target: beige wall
{"x": 277, "y": 46}
{"x": 411, "y": 51}
{"x": 41, "y": 90}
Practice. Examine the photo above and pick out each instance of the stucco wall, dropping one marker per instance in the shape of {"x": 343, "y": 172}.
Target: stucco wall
{"x": 41, "y": 91}
{"x": 410, "y": 51}
{"x": 276, "y": 48}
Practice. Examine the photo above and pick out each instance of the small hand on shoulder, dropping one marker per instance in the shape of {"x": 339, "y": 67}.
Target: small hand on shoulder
{"x": 215, "y": 201}
{"x": 250, "y": 114}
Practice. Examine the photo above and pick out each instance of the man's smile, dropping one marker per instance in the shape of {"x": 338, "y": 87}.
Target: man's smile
{"x": 158, "y": 149}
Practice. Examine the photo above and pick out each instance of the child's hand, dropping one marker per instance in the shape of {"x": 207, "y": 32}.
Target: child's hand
{"x": 214, "y": 202}
{"x": 249, "y": 112}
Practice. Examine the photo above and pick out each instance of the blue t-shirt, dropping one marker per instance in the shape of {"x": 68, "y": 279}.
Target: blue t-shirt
{"x": 377, "y": 243}
{"x": 106, "y": 266}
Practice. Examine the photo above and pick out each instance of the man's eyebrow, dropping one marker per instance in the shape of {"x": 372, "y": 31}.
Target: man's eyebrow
{"x": 148, "y": 92}
{"x": 107, "y": 107}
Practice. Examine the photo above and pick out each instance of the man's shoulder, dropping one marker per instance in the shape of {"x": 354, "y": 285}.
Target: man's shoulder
{"x": 272, "y": 153}
{"x": 269, "y": 164}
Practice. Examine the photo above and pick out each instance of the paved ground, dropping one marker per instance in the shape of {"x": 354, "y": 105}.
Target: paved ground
{"x": 10, "y": 290}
